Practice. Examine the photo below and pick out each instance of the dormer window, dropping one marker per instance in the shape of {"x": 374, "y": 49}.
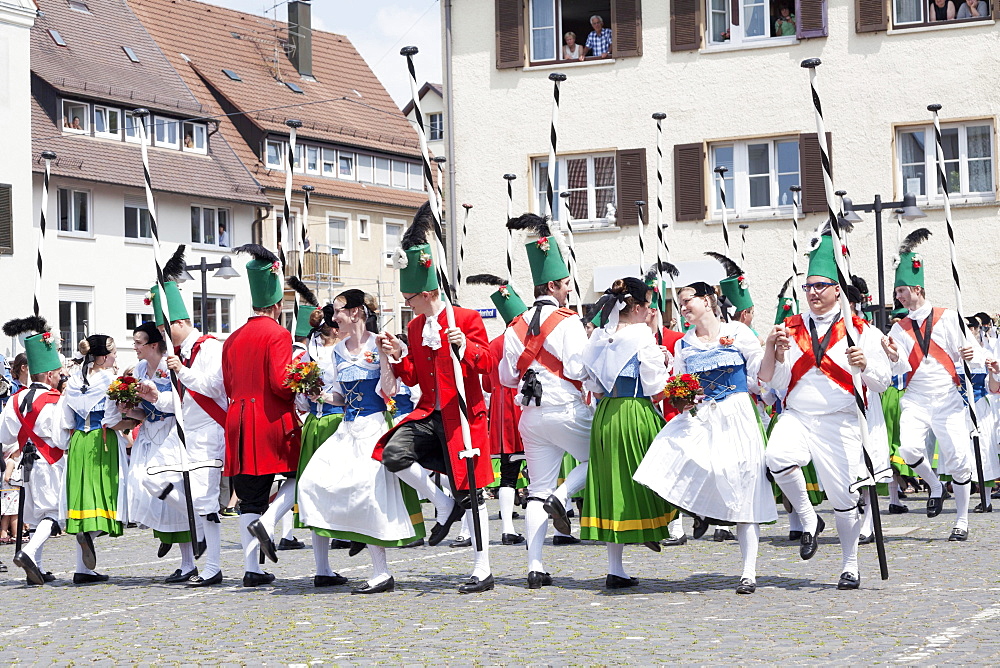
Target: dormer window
{"x": 195, "y": 138}
{"x": 132, "y": 128}
{"x": 107, "y": 122}
{"x": 76, "y": 117}
{"x": 165, "y": 132}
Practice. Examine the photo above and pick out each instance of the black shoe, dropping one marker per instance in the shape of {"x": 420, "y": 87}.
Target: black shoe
{"x": 674, "y": 542}
{"x": 48, "y": 577}
{"x": 88, "y": 578}
{"x": 746, "y": 586}
{"x": 461, "y": 542}
{"x": 199, "y": 548}
{"x": 388, "y": 585}
{"x": 86, "y": 542}
{"x": 293, "y": 544}
{"x": 161, "y": 551}
{"x": 810, "y": 542}
{"x": 337, "y": 544}
{"x": 654, "y": 545}
{"x": 515, "y": 515}
{"x": 177, "y": 577}
{"x": 565, "y": 540}
{"x": 866, "y": 540}
{"x": 334, "y": 580}
{"x": 474, "y": 585}
{"x": 898, "y": 509}
{"x": 440, "y": 531}
{"x": 257, "y": 530}
{"x": 995, "y": 494}
{"x": 537, "y": 580}
{"x": 198, "y": 581}
{"x": 557, "y": 511}
{"x": 618, "y": 582}
{"x": 700, "y": 527}
{"x": 849, "y": 581}
{"x": 417, "y": 543}
{"x": 979, "y": 508}
{"x": 794, "y": 535}
{"x": 723, "y": 534}
{"x": 935, "y": 504}
{"x": 3, "y": 567}
{"x": 959, "y": 534}
{"x": 257, "y": 579}
{"x": 511, "y": 539}
{"x": 23, "y": 561}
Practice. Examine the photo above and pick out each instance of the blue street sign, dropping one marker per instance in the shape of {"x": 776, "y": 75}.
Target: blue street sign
{"x": 487, "y": 312}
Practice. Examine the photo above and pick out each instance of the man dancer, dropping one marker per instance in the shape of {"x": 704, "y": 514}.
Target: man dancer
{"x": 928, "y": 345}
{"x": 542, "y": 357}
{"x": 262, "y": 430}
{"x": 807, "y": 358}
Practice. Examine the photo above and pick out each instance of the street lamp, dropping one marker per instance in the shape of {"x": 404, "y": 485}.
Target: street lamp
{"x": 224, "y": 270}
{"x": 910, "y": 212}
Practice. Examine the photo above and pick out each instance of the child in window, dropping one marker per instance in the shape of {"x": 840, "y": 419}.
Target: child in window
{"x": 785, "y": 25}
{"x": 572, "y": 50}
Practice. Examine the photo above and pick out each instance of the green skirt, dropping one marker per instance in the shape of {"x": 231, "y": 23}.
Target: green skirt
{"x": 616, "y": 509}
{"x": 412, "y": 503}
{"x": 92, "y": 482}
{"x": 890, "y": 408}
{"x": 314, "y": 432}
{"x": 173, "y": 537}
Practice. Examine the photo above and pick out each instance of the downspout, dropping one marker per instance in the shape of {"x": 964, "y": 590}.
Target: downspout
{"x": 449, "y": 141}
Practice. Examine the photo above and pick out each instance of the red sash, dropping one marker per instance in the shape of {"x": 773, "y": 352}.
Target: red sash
{"x": 27, "y": 431}
{"x": 214, "y": 410}
{"x": 934, "y": 349}
{"x": 533, "y": 349}
{"x": 832, "y": 370}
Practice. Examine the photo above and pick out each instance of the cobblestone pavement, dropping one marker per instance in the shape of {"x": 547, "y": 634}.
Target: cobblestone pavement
{"x": 940, "y": 605}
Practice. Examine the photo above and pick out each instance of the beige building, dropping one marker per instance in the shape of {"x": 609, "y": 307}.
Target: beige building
{"x": 727, "y": 76}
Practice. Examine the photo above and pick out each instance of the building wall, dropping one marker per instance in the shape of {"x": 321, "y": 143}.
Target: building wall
{"x": 868, "y": 83}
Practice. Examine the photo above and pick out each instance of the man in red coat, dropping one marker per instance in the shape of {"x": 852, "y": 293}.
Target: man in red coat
{"x": 262, "y": 430}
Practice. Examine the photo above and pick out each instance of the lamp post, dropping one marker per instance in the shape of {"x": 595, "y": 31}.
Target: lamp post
{"x": 224, "y": 270}
{"x": 910, "y": 211}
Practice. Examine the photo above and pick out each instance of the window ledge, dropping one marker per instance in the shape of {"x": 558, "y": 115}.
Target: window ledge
{"x": 762, "y": 44}
{"x": 964, "y": 23}
{"x": 139, "y": 241}
{"x": 76, "y": 235}
{"x": 756, "y": 217}
{"x": 568, "y": 64}
{"x": 958, "y": 202}
{"x": 211, "y": 247}
{"x": 587, "y": 228}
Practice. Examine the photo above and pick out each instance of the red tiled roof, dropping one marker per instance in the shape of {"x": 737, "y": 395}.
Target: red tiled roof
{"x": 426, "y": 88}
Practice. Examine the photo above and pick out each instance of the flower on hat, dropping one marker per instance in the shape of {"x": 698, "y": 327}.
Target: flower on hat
{"x": 425, "y": 260}
{"x": 276, "y": 267}
{"x": 543, "y": 244}
{"x": 742, "y": 280}
{"x": 504, "y": 292}
{"x": 399, "y": 259}
{"x": 148, "y": 299}
{"x": 47, "y": 339}
{"x": 917, "y": 260}
{"x": 844, "y": 249}
{"x": 787, "y": 306}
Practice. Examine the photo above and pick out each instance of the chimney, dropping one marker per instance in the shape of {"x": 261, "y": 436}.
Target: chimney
{"x": 300, "y": 35}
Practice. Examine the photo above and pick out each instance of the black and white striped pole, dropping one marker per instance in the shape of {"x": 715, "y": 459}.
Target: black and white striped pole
{"x": 743, "y": 243}
{"x": 970, "y": 398}
{"x": 461, "y": 246}
{"x": 297, "y": 231}
{"x": 142, "y": 115}
{"x": 796, "y": 210}
{"x": 510, "y": 233}
{"x": 468, "y": 453}
{"x": 661, "y": 235}
{"x": 721, "y": 171}
{"x": 48, "y": 157}
{"x": 556, "y": 78}
{"x": 639, "y": 205}
{"x": 567, "y": 215}
{"x": 850, "y": 334}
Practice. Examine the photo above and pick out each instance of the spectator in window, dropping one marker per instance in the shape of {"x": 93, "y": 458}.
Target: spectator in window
{"x": 188, "y": 141}
{"x": 942, "y": 10}
{"x": 599, "y": 40}
{"x": 572, "y": 50}
{"x": 223, "y": 235}
{"x": 76, "y": 123}
{"x": 973, "y": 9}
{"x": 785, "y": 25}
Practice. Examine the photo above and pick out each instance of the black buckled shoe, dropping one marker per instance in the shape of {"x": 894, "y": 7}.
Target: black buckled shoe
{"x": 86, "y": 543}
{"x": 794, "y": 535}
{"x": 48, "y": 577}
{"x": 700, "y": 527}
{"x": 88, "y": 578}
{"x": 959, "y": 535}
{"x": 979, "y": 508}
{"x": 653, "y": 545}
{"x": 565, "y": 540}
{"x": 161, "y": 551}
{"x": 746, "y": 586}
{"x": 440, "y": 531}
{"x": 674, "y": 542}
{"x": 849, "y": 581}
{"x": 337, "y": 544}
{"x": 293, "y": 544}
{"x": 257, "y": 530}
{"x": 898, "y": 509}
{"x": 810, "y": 542}
{"x": 420, "y": 542}
{"x": 537, "y": 580}
{"x": 721, "y": 535}
{"x": 557, "y": 511}
{"x": 511, "y": 539}
{"x": 935, "y": 504}
{"x": 334, "y": 580}
{"x": 618, "y": 582}
{"x": 386, "y": 585}
{"x": 474, "y": 585}
{"x": 461, "y": 541}
{"x": 27, "y": 564}
{"x": 198, "y": 581}
{"x": 866, "y": 540}
{"x": 356, "y": 548}
{"x": 256, "y": 579}
{"x": 177, "y": 577}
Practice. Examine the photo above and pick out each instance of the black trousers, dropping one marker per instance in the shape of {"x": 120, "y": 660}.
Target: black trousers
{"x": 254, "y": 491}
{"x": 510, "y": 470}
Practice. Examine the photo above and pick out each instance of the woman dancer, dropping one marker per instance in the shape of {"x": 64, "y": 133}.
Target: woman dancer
{"x": 711, "y": 463}
{"x": 626, "y": 371}
{"x": 96, "y": 461}
{"x": 343, "y": 492}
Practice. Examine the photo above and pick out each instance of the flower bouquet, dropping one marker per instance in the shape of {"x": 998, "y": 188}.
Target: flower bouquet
{"x": 684, "y": 392}
{"x": 303, "y": 377}
{"x": 125, "y": 390}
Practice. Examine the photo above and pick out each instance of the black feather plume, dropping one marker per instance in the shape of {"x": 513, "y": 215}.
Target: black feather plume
{"x": 660, "y": 268}
{"x": 485, "y": 279}
{"x": 420, "y": 229}
{"x": 914, "y": 239}
{"x": 731, "y": 268}
{"x": 530, "y": 221}
{"x": 860, "y": 283}
{"x": 784, "y": 288}
{"x": 307, "y": 295}
{"x": 843, "y": 225}
{"x": 258, "y": 252}
{"x": 34, "y": 324}
{"x": 174, "y": 267}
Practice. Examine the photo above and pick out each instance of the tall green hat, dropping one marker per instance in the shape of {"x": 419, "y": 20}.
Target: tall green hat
{"x": 910, "y": 264}
{"x": 177, "y": 309}
{"x": 40, "y": 346}
{"x": 658, "y": 288}
{"x": 509, "y": 304}
{"x": 787, "y": 306}
{"x": 544, "y": 257}
{"x": 416, "y": 263}
{"x": 734, "y": 285}
{"x": 822, "y": 261}
{"x": 308, "y": 304}
{"x": 264, "y": 273}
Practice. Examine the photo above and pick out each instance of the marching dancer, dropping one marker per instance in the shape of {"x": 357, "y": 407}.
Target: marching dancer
{"x": 709, "y": 460}
{"x": 807, "y": 358}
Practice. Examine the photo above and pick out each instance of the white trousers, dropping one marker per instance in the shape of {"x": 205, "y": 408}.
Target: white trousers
{"x": 548, "y": 432}
{"x": 947, "y": 418}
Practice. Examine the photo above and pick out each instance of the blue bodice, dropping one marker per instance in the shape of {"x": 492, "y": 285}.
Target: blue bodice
{"x": 722, "y": 371}
{"x": 404, "y": 402}
{"x": 152, "y": 414}
{"x": 361, "y": 398}
{"x": 90, "y": 422}
{"x": 324, "y": 409}
{"x": 978, "y": 385}
{"x": 628, "y": 383}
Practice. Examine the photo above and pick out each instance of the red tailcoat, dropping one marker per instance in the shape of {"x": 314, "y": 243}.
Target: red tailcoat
{"x": 505, "y": 412}
{"x": 262, "y": 430}
{"x": 670, "y": 339}
{"x": 432, "y": 370}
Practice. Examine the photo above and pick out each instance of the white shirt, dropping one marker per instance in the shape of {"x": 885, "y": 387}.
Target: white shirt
{"x": 608, "y": 352}
{"x": 46, "y": 426}
{"x": 204, "y": 377}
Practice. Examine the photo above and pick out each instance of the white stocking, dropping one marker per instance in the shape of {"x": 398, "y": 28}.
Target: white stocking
{"x": 794, "y": 523}
{"x": 34, "y": 546}
{"x": 867, "y": 521}
{"x": 80, "y": 566}
{"x": 573, "y": 483}
{"x": 419, "y": 479}
{"x": 213, "y": 547}
{"x": 380, "y": 567}
{"x": 321, "y": 554}
{"x": 187, "y": 557}
{"x": 962, "y": 494}
{"x": 615, "y": 565}
{"x": 924, "y": 470}
{"x": 287, "y": 525}
{"x": 676, "y": 528}
{"x": 251, "y": 546}
{"x": 507, "y": 495}
{"x": 466, "y": 530}
{"x": 481, "y": 566}
{"x": 793, "y": 486}
{"x": 748, "y": 536}
{"x": 894, "y": 492}
{"x": 848, "y": 530}
{"x": 536, "y": 521}
{"x": 283, "y": 502}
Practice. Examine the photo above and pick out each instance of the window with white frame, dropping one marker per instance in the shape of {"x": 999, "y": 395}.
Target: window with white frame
{"x": 329, "y": 166}
{"x": 416, "y": 172}
{"x": 968, "y": 160}
{"x": 366, "y": 169}
{"x": 274, "y": 154}
{"x": 589, "y": 180}
{"x": 195, "y": 138}
{"x": 136, "y": 218}
{"x": 107, "y": 122}
{"x": 75, "y": 313}
{"x": 312, "y": 159}
{"x": 759, "y": 174}
{"x": 435, "y": 123}
{"x": 754, "y": 21}
{"x": 166, "y": 132}
{"x": 74, "y": 211}
{"x": 364, "y": 227}
{"x": 300, "y": 157}
{"x": 210, "y": 226}
{"x": 218, "y": 314}
{"x": 917, "y": 13}
{"x": 383, "y": 167}
{"x": 287, "y": 231}
{"x": 552, "y": 22}
{"x": 346, "y": 166}
{"x": 393, "y": 239}
{"x": 76, "y": 117}
{"x": 399, "y": 169}
{"x": 137, "y": 311}
{"x": 337, "y": 237}
{"x": 132, "y": 127}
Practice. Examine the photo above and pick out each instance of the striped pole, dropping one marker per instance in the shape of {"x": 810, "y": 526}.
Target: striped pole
{"x": 461, "y": 245}
{"x": 796, "y": 209}
{"x": 568, "y": 217}
{"x": 841, "y": 194}
{"x": 852, "y": 336}
{"x": 469, "y": 453}
{"x": 639, "y": 204}
{"x": 743, "y": 243}
{"x": 510, "y": 233}
{"x": 48, "y": 156}
{"x": 293, "y": 126}
{"x": 721, "y": 171}
{"x": 142, "y": 114}
{"x": 970, "y": 398}
{"x": 661, "y": 237}
{"x": 556, "y": 79}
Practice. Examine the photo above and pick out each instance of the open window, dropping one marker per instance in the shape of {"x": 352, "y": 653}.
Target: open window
{"x": 76, "y": 117}
{"x": 346, "y": 165}
{"x": 560, "y": 29}
{"x": 923, "y": 13}
{"x": 107, "y": 122}
{"x": 274, "y": 154}
{"x": 195, "y": 138}
{"x": 132, "y": 128}
{"x": 743, "y": 22}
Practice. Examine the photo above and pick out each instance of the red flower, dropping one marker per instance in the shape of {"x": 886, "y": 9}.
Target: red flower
{"x": 845, "y": 250}
{"x": 725, "y": 340}
{"x": 787, "y": 306}
{"x": 147, "y": 301}
{"x": 916, "y": 264}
